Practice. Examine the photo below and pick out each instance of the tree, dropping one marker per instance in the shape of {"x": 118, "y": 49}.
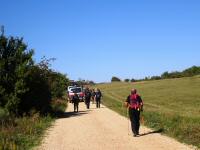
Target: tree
{"x": 24, "y": 85}
{"x": 165, "y": 75}
{"x": 45, "y": 85}
{"x": 133, "y": 80}
{"x": 155, "y": 78}
{"x": 126, "y": 80}
{"x": 15, "y": 59}
{"x": 194, "y": 70}
{"x": 115, "y": 79}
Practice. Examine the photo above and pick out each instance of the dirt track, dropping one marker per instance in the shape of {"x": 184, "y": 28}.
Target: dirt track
{"x": 102, "y": 129}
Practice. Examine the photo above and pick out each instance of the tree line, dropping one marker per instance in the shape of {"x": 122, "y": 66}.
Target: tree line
{"x": 189, "y": 72}
{"x": 25, "y": 85}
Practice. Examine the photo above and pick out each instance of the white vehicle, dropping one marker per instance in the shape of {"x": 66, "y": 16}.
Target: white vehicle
{"x": 69, "y": 88}
{"x": 77, "y": 90}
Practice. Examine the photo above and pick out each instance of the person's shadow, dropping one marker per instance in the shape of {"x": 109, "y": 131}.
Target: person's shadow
{"x": 72, "y": 114}
{"x": 152, "y": 132}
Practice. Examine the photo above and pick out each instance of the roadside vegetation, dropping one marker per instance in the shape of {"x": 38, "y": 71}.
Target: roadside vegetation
{"x": 170, "y": 105}
{"x": 31, "y": 94}
{"x": 189, "y": 72}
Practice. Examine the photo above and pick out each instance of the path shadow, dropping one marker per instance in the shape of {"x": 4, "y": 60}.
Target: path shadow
{"x": 152, "y": 132}
{"x": 98, "y": 108}
{"x": 72, "y": 114}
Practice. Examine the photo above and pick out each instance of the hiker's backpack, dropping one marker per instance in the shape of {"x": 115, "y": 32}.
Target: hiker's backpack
{"x": 98, "y": 95}
{"x": 135, "y": 101}
{"x": 88, "y": 94}
{"x": 75, "y": 99}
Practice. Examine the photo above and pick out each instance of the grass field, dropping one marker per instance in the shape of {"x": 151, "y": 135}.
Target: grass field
{"x": 172, "y": 105}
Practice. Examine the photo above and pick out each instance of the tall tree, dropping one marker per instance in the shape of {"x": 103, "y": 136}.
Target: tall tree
{"x": 15, "y": 59}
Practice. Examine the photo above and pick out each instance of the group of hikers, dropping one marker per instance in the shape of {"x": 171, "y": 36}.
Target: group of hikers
{"x": 133, "y": 103}
{"x": 90, "y": 94}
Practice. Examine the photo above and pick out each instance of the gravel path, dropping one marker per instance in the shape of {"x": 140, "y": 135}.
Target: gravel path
{"x": 102, "y": 129}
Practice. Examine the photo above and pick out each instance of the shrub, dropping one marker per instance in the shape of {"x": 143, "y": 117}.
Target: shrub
{"x": 126, "y": 80}
{"x": 114, "y": 79}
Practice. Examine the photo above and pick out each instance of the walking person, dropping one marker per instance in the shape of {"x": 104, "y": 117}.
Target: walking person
{"x": 75, "y": 100}
{"x": 98, "y": 96}
{"x": 93, "y": 96}
{"x": 87, "y": 97}
{"x": 134, "y": 104}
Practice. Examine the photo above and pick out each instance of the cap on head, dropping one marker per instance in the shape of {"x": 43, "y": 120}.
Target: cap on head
{"x": 133, "y": 91}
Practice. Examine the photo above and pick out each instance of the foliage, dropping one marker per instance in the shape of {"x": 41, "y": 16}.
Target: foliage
{"x": 14, "y": 62}
{"x": 115, "y": 79}
{"x": 133, "y": 80}
{"x": 24, "y": 85}
{"x": 59, "y": 106}
{"x": 38, "y": 97}
{"x": 192, "y": 71}
{"x": 82, "y": 82}
{"x": 58, "y": 84}
{"x": 155, "y": 78}
{"x": 165, "y": 75}
{"x": 22, "y": 133}
{"x": 126, "y": 80}
{"x": 28, "y": 94}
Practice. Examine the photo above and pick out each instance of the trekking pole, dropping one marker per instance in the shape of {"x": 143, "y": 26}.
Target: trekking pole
{"x": 128, "y": 120}
{"x": 142, "y": 120}
{"x": 127, "y": 116}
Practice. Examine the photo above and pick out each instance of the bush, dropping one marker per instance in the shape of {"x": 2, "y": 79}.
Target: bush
{"x": 126, "y": 80}
{"x": 3, "y": 114}
{"x": 24, "y": 85}
{"x": 28, "y": 94}
{"x": 155, "y": 78}
{"x": 133, "y": 80}
{"x": 14, "y": 60}
{"x": 38, "y": 97}
{"x": 59, "y": 106}
{"x": 114, "y": 79}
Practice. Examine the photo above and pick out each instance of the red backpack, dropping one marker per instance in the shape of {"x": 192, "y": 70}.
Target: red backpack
{"x": 135, "y": 101}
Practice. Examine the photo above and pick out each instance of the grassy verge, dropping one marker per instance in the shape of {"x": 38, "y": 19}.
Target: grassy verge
{"x": 171, "y": 105}
{"x": 26, "y": 132}
{"x": 23, "y": 133}
{"x": 184, "y": 129}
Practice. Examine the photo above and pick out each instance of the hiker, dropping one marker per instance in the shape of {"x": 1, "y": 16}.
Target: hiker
{"x": 93, "y": 95}
{"x": 87, "y": 97}
{"x": 75, "y": 100}
{"x": 135, "y": 104}
{"x": 98, "y": 96}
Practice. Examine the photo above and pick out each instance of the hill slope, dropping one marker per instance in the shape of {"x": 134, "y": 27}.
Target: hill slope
{"x": 171, "y": 105}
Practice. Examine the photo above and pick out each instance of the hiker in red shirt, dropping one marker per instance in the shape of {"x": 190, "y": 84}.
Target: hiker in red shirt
{"x": 135, "y": 105}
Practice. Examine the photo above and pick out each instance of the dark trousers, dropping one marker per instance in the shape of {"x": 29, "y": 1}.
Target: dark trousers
{"x": 87, "y": 102}
{"x": 135, "y": 120}
{"x": 98, "y": 102}
{"x": 92, "y": 99}
{"x": 75, "y": 107}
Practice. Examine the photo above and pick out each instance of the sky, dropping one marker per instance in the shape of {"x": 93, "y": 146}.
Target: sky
{"x": 98, "y": 39}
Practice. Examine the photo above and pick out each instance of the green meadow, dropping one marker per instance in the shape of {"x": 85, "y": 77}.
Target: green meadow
{"x": 171, "y": 105}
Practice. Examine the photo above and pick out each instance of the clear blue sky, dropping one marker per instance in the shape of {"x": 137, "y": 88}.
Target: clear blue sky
{"x": 98, "y": 39}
